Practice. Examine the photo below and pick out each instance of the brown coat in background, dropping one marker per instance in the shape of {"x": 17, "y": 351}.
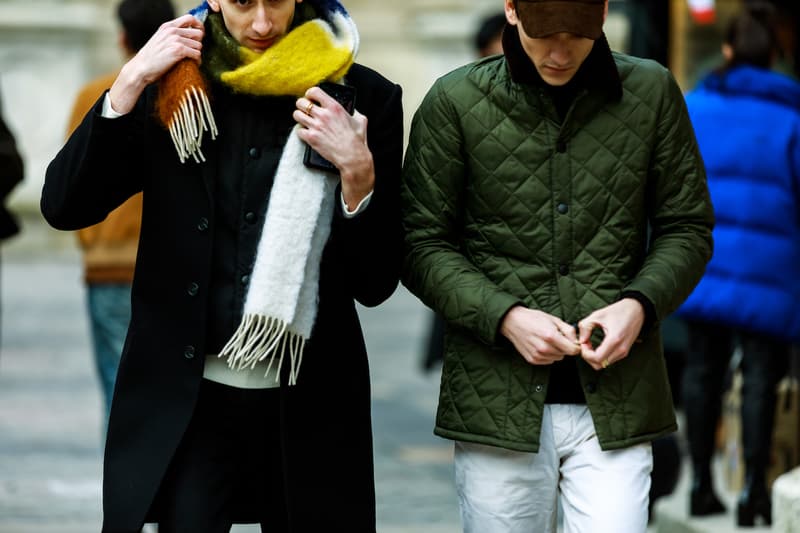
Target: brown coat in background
{"x": 109, "y": 248}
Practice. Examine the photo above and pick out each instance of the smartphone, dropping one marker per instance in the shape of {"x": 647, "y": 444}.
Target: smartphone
{"x": 346, "y": 96}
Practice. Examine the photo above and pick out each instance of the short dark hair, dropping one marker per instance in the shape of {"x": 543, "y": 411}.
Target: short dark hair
{"x": 141, "y": 18}
{"x": 489, "y": 28}
{"x": 751, "y": 35}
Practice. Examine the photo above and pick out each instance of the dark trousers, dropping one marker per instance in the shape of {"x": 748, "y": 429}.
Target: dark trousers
{"x": 764, "y": 363}
{"x": 228, "y": 467}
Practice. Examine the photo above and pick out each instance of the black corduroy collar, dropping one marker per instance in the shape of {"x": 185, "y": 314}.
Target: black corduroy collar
{"x": 598, "y": 71}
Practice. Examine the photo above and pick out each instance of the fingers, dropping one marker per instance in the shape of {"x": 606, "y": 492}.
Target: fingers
{"x": 185, "y": 21}
{"x": 174, "y": 40}
{"x": 569, "y": 334}
{"x": 585, "y": 328}
{"x": 550, "y": 344}
{"x": 183, "y": 27}
{"x": 321, "y": 97}
{"x": 304, "y": 112}
{"x": 540, "y": 358}
{"x": 611, "y": 349}
{"x": 307, "y": 106}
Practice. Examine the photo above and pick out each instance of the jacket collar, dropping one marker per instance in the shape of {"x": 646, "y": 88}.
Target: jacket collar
{"x": 598, "y": 71}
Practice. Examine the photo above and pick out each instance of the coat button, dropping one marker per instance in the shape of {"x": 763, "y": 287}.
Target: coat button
{"x": 562, "y": 208}
{"x": 591, "y": 387}
{"x": 245, "y": 279}
{"x": 250, "y": 217}
{"x": 192, "y": 289}
{"x": 539, "y": 388}
{"x": 188, "y": 352}
{"x": 563, "y": 270}
{"x": 255, "y": 153}
{"x": 202, "y": 224}
{"x": 561, "y": 146}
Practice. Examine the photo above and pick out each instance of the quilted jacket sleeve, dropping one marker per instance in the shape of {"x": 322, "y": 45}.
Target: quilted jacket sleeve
{"x": 433, "y": 184}
{"x": 681, "y": 213}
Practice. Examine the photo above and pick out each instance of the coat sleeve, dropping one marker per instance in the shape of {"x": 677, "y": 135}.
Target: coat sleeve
{"x": 99, "y": 167}
{"x": 680, "y": 211}
{"x": 432, "y": 194}
{"x": 372, "y": 240}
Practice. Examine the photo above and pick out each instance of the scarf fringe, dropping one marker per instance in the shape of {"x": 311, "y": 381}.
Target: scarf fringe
{"x": 259, "y": 337}
{"x": 192, "y": 117}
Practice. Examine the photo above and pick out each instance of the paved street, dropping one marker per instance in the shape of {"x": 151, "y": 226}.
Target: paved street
{"x": 50, "y": 452}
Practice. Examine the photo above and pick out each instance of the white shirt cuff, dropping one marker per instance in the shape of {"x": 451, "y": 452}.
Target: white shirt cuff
{"x": 108, "y": 111}
{"x": 359, "y": 208}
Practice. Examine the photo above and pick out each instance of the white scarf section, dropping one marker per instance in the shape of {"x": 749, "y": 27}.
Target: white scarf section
{"x": 281, "y": 302}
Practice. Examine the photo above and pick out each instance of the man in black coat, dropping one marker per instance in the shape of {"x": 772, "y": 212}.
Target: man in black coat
{"x": 247, "y": 254}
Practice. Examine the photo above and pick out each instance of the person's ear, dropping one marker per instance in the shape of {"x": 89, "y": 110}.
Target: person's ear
{"x": 511, "y": 13}
{"x": 727, "y": 52}
{"x": 214, "y": 5}
{"x": 122, "y": 41}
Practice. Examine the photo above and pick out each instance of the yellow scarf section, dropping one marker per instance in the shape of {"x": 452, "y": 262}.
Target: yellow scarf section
{"x": 307, "y": 55}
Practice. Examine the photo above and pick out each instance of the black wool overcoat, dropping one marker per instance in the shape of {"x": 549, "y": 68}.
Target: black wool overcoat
{"x": 326, "y": 429}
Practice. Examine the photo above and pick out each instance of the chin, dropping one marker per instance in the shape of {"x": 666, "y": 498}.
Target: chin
{"x": 556, "y": 82}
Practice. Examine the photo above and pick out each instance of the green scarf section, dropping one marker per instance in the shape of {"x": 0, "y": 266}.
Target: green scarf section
{"x": 309, "y": 54}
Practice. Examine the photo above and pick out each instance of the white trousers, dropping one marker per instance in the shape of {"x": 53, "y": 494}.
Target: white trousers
{"x": 503, "y": 491}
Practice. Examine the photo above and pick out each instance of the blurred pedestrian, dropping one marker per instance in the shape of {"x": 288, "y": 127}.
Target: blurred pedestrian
{"x": 11, "y": 173}
{"x": 489, "y": 37}
{"x": 530, "y": 183}
{"x": 747, "y": 121}
{"x": 243, "y": 392}
{"x": 109, "y": 248}
{"x": 487, "y": 42}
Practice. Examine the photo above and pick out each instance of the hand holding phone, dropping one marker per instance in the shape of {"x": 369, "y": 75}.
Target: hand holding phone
{"x": 346, "y": 96}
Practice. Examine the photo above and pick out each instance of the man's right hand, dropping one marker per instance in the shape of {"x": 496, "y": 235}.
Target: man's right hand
{"x": 173, "y": 41}
{"x": 540, "y": 338}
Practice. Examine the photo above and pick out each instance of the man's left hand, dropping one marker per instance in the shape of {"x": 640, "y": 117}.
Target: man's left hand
{"x": 621, "y": 323}
{"x": 340, "y": 138}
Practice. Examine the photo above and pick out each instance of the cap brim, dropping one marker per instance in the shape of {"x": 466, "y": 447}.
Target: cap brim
{"x": 540, "y": 19}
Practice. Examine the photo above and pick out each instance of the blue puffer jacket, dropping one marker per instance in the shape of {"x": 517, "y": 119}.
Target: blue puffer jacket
{"x": 747, "y": 122}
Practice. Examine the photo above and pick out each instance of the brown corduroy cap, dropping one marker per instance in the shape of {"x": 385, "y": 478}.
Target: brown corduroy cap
{"x": 541, "y": 18}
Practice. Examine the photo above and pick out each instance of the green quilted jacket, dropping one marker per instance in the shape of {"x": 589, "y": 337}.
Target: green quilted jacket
{"x": 504, "y": 205}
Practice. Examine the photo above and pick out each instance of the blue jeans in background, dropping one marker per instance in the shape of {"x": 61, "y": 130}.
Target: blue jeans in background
{"x": 109, "y": 316}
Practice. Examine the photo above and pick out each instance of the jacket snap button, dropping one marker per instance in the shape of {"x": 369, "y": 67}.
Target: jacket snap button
{"x": 202, "y": 224}
{"x": 563, "y": 208}
{"x": 250, "y": 217}
{"x": 245, "y": 279}
{"x": 192, "y": 289}
{"x": 563, "y": 270}
{"x": 188, "y": 352}
{"x": 255, "y": 152}
{"x": 539, "y": 388}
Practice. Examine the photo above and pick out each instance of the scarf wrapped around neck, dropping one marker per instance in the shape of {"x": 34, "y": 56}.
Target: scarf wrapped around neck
{"x": 281, "y": 302}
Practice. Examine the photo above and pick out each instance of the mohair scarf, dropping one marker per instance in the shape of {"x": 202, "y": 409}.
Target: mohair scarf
{"x": 281, "y": 302}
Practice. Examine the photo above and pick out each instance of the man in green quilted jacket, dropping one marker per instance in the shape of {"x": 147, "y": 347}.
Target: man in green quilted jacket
{"x": 556, "y": 211}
